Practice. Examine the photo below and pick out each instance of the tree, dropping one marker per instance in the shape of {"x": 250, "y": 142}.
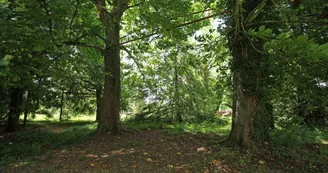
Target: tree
{"x": 246, "y": 68}
{"x": 259, "y": 74}
{"x": 110, "y": 13}
{"x": 31, "y": 46}
{"x": 110, "y": 113}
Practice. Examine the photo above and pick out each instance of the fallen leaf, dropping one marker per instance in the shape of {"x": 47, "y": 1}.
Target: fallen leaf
{"x": 206, "y": 171}
{"x": 149, "y": 160}
{"x": 261, "y": 162}
{"x": 92, "y": 164}
{"x": 92, "y": 156}
{"x": 201, "y": 149}
{"x": 178, "y": 153}
{"x": 145, "y": 153}
{"x": 186, "y": 171}
{"x": 170, "y": 166}
{"x": 134, "y": 166}
{"x": 104, "y": 156}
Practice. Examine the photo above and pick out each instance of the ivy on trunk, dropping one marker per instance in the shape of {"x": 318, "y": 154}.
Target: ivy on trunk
{"x": 248, "y": 121}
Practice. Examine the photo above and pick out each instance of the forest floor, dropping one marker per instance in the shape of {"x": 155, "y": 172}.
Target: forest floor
{"x": 149, "y": 150}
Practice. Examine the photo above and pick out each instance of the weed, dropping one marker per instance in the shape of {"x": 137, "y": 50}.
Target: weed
{"x": 82, "y": 158}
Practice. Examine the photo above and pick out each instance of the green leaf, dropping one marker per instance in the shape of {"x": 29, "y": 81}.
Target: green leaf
{"x": 283, "y": 36}
{"x": 38, "y": 48}
{"x": 323, "y": 47}
{"x": 261, "y": 28}
{"x": 3, "y": 62}
{"x": 302, "y": 39}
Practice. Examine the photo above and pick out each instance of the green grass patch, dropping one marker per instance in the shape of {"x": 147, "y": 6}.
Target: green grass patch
{"x": 295, "y": 136}
{"x": 26, "y": 145}
{"x": 218, "y": 126}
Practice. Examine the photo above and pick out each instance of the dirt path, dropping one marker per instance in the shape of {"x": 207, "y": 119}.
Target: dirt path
{"x": 147, "y": 151}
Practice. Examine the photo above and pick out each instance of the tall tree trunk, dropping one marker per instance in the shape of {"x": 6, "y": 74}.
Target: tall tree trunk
{"x": 25, "y": 117}
{"x": 15, "y": 110}
{"x": 246, "y": 69}
{"x": 110, "y": 112}
{"x": 176, "y": 95}
{"x": 27, "y": 107}
{"x": 61, "y": 106}
{"x": 99, "y": 101}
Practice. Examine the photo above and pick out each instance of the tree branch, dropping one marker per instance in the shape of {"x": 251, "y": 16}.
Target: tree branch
{"x": 292, "y": 21}
{"x": 175, "y": 27}
{"x": 101, "y": 37}
{"x": 134, "y": 59}
{"x": 45, "y": 6}
{"x": 74, "y": 14}
{"x": 135, "y": 5}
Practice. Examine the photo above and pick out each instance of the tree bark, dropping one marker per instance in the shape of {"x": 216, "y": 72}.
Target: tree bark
{"x": 15, "y": 109}
{"x": 246, "y": 69}
{"x": 110, "y": 111}
{"x": 244, "y": 109}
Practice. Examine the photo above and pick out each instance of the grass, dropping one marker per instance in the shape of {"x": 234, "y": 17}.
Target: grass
{"x": 304, "y": 144}
{"x": 217, "y": 126}
{"x": 27, "y": 145}
{"x": 55, "y": 118}
{"x": 295, "y": 136}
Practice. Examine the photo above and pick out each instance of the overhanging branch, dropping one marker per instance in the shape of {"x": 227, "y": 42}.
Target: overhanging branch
{"x": 134, "y": 59}
{"x": 293, "y": 21}
{"x": 175, "y": 27}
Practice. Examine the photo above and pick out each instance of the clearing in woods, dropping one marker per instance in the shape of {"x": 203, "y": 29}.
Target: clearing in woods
{"x": 152, "y": 150}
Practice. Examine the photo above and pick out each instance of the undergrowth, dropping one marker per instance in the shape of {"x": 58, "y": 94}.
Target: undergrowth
{"x": 300, "y": 146}
{"x": 27, "y": 145}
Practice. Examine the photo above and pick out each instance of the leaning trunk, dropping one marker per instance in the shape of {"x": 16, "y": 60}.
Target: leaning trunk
{"x": 15, "y": 110}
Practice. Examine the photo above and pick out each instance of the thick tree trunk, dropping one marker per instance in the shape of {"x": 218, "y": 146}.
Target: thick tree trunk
{"x": 248, "y": 117}
{"x": 110, "y": 111}
{"x": 15, "y": 110}
{"x": 244, "y": 109}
